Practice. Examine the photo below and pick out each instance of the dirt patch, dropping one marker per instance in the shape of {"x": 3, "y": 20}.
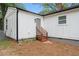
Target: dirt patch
{"x": 37, "y": 48}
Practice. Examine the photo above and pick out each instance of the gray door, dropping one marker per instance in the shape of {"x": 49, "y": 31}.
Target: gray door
{"x": 38, "y": 22}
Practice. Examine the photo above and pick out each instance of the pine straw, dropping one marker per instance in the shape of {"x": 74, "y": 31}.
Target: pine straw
{"x": 37, "y": 48}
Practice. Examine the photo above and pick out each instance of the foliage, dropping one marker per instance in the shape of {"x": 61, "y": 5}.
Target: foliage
{"x": 20, "y": 5}
{"x": 53, "y": 7}
{"x": 3, "y": 8}
{"x": 48, "y": 8}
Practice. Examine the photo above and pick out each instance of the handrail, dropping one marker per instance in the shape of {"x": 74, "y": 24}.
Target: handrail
{"x": 37, "y": 30}
{"x": 41, "y": 34}
{"x": 42, "y": 31}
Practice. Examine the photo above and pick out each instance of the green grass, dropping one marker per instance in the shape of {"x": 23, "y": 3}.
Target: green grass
{"x": 5, "y": 43}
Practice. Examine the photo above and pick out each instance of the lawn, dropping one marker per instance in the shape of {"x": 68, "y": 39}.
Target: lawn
{"x": 5, "y": 43}
{"x": 36, "y": 48}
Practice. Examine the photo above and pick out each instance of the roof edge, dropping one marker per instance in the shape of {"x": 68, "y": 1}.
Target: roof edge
{"x": 49, "y": 13}
{"x": 63, "y": 10}
{"x": 27, "y": 11}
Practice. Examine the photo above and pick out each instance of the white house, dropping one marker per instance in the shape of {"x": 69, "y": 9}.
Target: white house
{"x": 20, "y": 24}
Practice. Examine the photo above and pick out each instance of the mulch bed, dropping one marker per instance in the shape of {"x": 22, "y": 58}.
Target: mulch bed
{"x": 37, "y": 48}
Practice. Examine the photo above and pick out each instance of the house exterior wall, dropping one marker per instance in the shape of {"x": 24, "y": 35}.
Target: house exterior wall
{"x": 11, "y": 23}
{"x": 27, "y": 25}
{"x": 69, "y": 30}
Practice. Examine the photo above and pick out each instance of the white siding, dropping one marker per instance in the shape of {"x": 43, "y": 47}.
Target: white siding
{"x": 11, "y": 21}
{"x": 27, "y": 25}
{"x": 69, "y": 30}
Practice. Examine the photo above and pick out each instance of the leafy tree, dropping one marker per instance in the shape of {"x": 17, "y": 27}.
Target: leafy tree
{"x": 46, "y": 9}
{"x": 53, "y": 7}
{"x": 3, "y": 8}
{"x": 20, "y": 5}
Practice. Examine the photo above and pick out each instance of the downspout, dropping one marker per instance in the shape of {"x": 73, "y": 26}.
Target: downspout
{"x": 17, "y": 26}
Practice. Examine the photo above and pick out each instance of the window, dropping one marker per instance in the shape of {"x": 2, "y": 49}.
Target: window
{"x": 62, "y": 20}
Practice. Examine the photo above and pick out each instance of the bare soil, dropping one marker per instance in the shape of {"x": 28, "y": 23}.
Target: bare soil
{"x": 37, "y": 48}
